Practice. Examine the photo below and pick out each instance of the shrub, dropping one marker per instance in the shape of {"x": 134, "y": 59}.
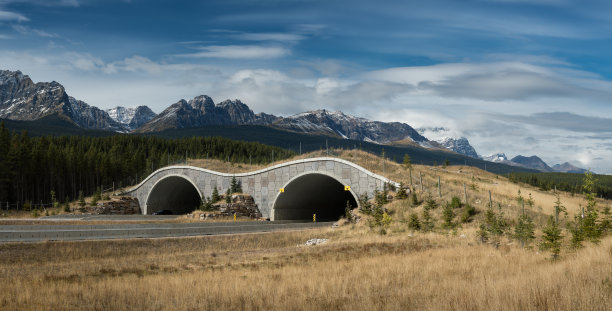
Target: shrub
{"x": 455, "y": 202}
{"x": 468, "y": 213}
{"x": 81, "y": 199}
{"x": 415, "y": 199}
{"x": 347, "y": 212}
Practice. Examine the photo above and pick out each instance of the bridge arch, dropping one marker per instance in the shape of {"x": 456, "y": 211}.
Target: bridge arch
{"x": 174, "y": 192}
{"x": 314, "y": 192}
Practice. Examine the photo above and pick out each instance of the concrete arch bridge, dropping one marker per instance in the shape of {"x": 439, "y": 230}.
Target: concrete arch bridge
{"x": 319, "y": 186}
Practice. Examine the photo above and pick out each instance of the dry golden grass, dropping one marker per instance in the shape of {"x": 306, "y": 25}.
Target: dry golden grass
{"x": 355, "y": 270}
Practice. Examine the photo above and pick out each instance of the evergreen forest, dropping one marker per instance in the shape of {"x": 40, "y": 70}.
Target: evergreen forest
{"x": 31, "y": 168}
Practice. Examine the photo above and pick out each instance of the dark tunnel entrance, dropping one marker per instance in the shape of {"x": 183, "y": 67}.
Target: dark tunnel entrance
{"x": 173, "y": 193}
{"x": 313, "y": 194}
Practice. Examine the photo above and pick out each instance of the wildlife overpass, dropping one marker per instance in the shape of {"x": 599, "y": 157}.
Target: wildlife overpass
{"x": 292, "y": 190}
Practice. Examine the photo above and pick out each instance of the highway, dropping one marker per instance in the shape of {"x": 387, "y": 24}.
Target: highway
{"x": 34, "y": 233}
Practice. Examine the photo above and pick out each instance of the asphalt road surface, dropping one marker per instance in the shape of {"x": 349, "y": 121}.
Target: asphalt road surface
{"x": 33, "y": 233}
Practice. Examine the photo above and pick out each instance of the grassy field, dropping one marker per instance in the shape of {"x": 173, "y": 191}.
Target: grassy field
{"x": 354, "y": 270}
{"x": 358, "y": 268}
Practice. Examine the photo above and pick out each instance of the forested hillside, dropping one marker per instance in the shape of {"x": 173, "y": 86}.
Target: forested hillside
{"x": 564, "y": 181}
{"x": 32, "y": 167}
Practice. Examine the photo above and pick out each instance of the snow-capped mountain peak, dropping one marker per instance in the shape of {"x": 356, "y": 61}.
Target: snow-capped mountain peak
{"x": 496, "y": 157}
{"x": 131, "y": 117}
{"x": 460, "y": 145}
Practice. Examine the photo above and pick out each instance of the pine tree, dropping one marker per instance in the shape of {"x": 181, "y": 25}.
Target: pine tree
{"x": 413, "y": 222}
{"x": 235, "y": 186}
{"x": 428, "y": 223}
{"x": 228, "y": 196}
{"x": 406, "y": 161}
{"x": 348, "y": 212}
{"x": 483, "y": 233}
{"x": 606, "y": 222}
{"x": 81, "y": 199}
{"x": 575, "y": 228}
{"x": 401, "y": 192}
{"x": 447, "y": 216}
{"x": 559, "y": 208}
{"x": 524, "y": 230}
{"x": 552, "y": 238}
{"x": 215, "y": 195}
{"x": 468, "y": 213}
{"x": 365, "y": 204}
{"x": 430, "y": 203}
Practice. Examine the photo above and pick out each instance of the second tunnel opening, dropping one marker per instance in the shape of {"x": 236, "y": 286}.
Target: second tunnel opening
{"x": 313, "y": 194}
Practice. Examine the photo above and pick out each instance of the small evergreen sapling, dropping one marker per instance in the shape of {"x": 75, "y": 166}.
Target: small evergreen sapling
{"x": 447, "y": 216}
{"x": 228, "y": 196}
{"x": 428, "y": 223}
{"x": 524, "y": 230}
{"x": 215, "y": 195}
{"x": 413, "y": 222}
{"x": 401, "y": 192}
{"x": 552, "y": 238}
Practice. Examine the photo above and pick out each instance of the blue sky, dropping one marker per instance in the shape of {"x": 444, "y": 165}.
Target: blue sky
{"x": 513, "y": 76}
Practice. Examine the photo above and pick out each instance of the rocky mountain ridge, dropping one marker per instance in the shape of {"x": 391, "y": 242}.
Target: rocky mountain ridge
{"x": 533, "y": 162}
{"x": 132, "y": 118}
{"x": 202, "y": 111}
{"x": 459, "y": 145}
{"x": 22, "y": 99}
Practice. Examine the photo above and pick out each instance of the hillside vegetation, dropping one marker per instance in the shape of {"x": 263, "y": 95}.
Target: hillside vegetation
{"x": 451, "y": 260}
{"x": 31, "y": 168}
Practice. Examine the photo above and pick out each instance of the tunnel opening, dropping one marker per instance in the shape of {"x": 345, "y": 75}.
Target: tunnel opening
{"x": 175, "y": 194}
{"x": 313, "y": 194}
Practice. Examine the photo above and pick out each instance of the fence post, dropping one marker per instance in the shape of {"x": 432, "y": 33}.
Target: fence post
{"x": 421, "y": 180}
{"x": 439, "y": 188}
{"x": 465, "y": 194}
{"x": 490, "y": 201}
{"x": 411, "y": 176}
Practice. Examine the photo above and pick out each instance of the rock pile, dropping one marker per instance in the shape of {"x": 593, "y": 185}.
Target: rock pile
{"x": 315, "y": 242}
{"x": 243, "y": 205}
{"x": 121, "y": 206}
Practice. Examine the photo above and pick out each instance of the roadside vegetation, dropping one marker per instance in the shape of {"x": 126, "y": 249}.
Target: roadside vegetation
{"x": 449, "y": 238}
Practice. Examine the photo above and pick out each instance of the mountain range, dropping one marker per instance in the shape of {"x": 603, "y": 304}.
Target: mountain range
{"x": 23, "y": 100}
{"x": 534, "y": 162}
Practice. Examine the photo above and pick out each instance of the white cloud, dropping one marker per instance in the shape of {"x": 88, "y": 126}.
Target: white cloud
{"x": 12, "y": 16}
{"x": 26, "y": 30}
{"x": 495, "y": 105}
{"x": 281, "y": 37}
{"x": 239, "y": 52}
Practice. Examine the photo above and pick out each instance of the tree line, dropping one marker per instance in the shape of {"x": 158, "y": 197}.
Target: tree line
{"x": 32, "y": 167}
{"x": 568, "y": 182}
